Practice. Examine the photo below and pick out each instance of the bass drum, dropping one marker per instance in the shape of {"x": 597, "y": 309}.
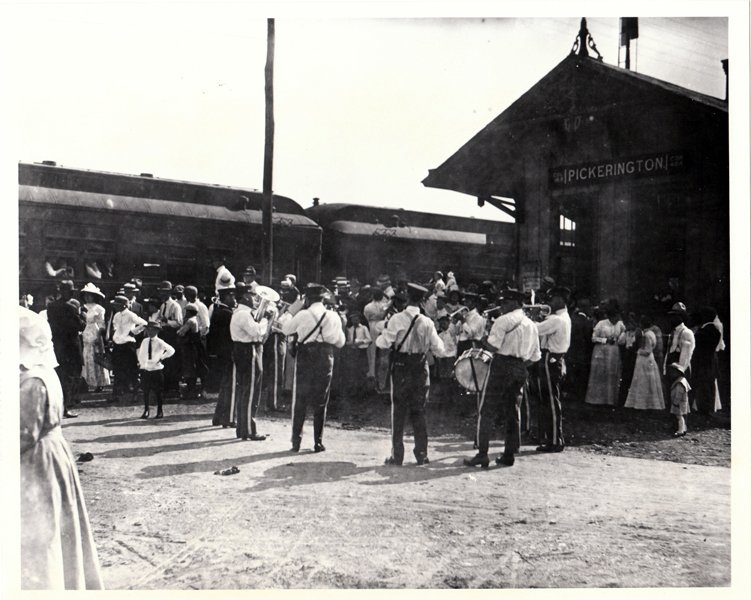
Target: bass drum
{"x": 471, "y": 369}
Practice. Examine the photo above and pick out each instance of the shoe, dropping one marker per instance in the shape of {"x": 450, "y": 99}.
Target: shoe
{"x": 545, "y": 448}
{"x": 256, "y": 437}
{"x": 159, "y": 415}
{"x": 505, "y": 459}
{"x": 85, "y": 457}
{"x": 69, "y": 415}
{"x": 392, "y": 461}
{"x": 558, "y": 448}
{"x": 423, "y": 460}
{"x": 295, "y": 448}
{"x": 145, "y": 414}
{"x": 319, "y": 448}
{"x": 232, "y": 424}
{"x": 678, "y": 434}
{"x": 477, "y": 459}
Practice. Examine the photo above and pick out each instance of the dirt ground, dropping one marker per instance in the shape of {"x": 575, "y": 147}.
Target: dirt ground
{"x": 601, "y": 514}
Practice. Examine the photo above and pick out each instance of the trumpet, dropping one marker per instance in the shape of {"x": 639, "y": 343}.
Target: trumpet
{"x": 536, "y": 312}
{"x": 458, "y": 312}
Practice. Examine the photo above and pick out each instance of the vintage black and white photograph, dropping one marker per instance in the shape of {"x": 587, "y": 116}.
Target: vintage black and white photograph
{"x": 319, "y": 298}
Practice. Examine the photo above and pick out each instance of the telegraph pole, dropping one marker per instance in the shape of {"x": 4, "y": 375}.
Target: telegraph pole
{"x": 268, "y": 161}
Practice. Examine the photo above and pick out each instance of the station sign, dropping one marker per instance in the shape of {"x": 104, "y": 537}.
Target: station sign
{"x": 656, "y": 164}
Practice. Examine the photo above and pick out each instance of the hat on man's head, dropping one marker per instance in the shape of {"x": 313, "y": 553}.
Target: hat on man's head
{"x": 292, "y": 278}
{"x": 548, "y": 280}
{"x": 383, "y": 280}
{"x": 678, "y": 309}
{"x": 315, "y": 290}
{"x": 191, "y": 288}
{"x": 511, "y": 294}
{"x": 90, "y": 288}
{"x": 179, "y": 288}
{"x": 165, "y": 286}
{"x": 129, "y": 287}
{"x": 191, "y": 308}
{"x": 241, "y": 288}
{"x": 250, "y": 270}
{"x": 153, "y": 324}
{"x": 225, "y": 283}
{"x": 66, "y": 284}
{"x": 416, "y": 292}
{"x": 120, "y": 299}
{"x": 563, "y": 292}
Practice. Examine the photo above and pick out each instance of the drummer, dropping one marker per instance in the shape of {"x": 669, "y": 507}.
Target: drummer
{"x": 472, "y": 324}
{"x": 515, "y": 342}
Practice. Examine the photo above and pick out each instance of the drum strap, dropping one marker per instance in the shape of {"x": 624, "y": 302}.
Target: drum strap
{"x": 399, "y": 347}
{"x": 474, "y": 373}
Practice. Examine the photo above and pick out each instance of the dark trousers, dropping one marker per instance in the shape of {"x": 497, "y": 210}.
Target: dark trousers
{"x": 152, "y": 383}
{"x": 173, "y": 364}
{"x": 548, "y": 376}
{"x": 503, "y": 394}
{"x": 124, "y": 368}
{"x": 69, "y": 374}
{"x": 274, "y": 352}
{"x": 248, "y": 373}
{"x": 224, "y": 414}
{"x": 313, "y": 371}
{"x": 410, "y": 387}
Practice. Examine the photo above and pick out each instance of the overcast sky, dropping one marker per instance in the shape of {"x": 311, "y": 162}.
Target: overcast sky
{"x": 364, "y": 107}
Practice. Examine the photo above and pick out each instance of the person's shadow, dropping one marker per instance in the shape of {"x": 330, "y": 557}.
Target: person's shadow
{"x": 167, "y": 470}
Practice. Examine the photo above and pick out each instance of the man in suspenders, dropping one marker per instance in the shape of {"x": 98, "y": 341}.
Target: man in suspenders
{"x": 410, "y": 336}
{"x": 317, "y": 331}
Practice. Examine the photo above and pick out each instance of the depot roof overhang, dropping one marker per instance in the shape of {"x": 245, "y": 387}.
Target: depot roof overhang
{"x": 372, "y": 230}
{"x": 151, "y": 206}
{"x": 492, "y": 162}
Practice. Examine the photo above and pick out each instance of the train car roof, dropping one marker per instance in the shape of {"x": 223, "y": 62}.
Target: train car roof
{"x": 146, "y": 185}
{"x": 326, "y": 214}
{"x": 151, "y": 206}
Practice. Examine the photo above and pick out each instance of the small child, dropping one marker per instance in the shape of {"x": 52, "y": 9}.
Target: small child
{"x": 152, "y": 352}
{"x": 679, "y": 389}
{"x": 357, "y": 342}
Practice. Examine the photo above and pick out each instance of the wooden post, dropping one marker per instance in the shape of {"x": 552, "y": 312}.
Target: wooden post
{"x": 268, "y": 162}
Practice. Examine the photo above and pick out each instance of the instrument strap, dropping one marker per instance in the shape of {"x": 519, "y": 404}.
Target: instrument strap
{"x": 406, "y": 335}
{"x": 323, "y": 316}
{"x": 474, "y": 373}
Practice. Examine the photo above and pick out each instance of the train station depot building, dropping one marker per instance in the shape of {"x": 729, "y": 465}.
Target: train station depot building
{"x": 617, "y": 182}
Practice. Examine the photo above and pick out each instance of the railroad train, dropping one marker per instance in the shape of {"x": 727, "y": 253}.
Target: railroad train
{"x": 109, "y": 227}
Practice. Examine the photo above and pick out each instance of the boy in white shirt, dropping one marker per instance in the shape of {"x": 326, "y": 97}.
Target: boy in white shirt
{"x": 151, "y": 353}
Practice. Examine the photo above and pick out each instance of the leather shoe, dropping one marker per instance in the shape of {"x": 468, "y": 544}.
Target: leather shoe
{"x": 679, "y": 434}
{"x": 257, "y": 437}
{"x": 69, "y": 415}
{"x": 545, "y": 448}
{"x": 505, "y": 459}
{"x": 392, "y": 461}
{"x": 477, "y": 459}
{"x": 558, "y": 448}
{"x": 319, "y": 448}
{"x": 159, "y": 415}
{"x": 423, "y": 460}
{"x": 295, "y": 448}
{"x": 145, "y": 414}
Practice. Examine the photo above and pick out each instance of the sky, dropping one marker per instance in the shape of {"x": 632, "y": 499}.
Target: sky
{"x": 363, "y": 106}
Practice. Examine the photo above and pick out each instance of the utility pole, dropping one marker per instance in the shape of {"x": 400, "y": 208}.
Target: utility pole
{"x": 268, "y": 161}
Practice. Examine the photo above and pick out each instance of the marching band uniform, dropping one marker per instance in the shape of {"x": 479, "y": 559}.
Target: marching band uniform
{"x": 515, "y": 340}
{"x": 247, "y": 356}
{"x": 410, "y": 336}
{"x": 555, "y": 338}
{"x": 274, "y": 353}
{"x": 472, "y": 328}
{"x": 318, "y": 332}
{"x": 219, "y": 344}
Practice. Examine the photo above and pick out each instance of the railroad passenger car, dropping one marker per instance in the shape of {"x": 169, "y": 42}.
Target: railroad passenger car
{"x": 109, "y": 227}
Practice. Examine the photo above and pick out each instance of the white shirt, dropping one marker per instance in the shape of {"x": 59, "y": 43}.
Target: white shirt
{"x": 170, "y": 313}
{"x": 375, "y": 310}
{"x": 359, "y": 336}
{"x": 681, "y": 340}
{"x": 125, "y": 325}
{"x": 203, "y": 317}
{"x": 422, "y": 338}
{"x": 555, "y": 332}
{"x": 514, "y": 334}
{"x": 448, "y": 337}
{"x": 473, "y": 327}
{"x": 606, "y": 329}
{"x": 244, "y": 328}
{"x": 304, "y": 322}
{"x": 159, "y": 351}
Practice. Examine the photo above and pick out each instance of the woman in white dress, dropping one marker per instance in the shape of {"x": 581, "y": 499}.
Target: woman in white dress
{"x": 605, "y": 370}
{"x": 645, "y": 392}
{"x": 93, "y": 340}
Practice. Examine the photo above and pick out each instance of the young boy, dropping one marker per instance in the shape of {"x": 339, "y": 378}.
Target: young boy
{"x": 358, "y": 341}
{"x": 152, "y": 352}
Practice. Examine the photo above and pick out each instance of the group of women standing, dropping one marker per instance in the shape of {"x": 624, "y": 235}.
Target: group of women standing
{"x": 631, "y": 357}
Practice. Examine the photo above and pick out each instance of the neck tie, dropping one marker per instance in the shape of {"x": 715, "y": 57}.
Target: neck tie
{"x": 149, "y": 348}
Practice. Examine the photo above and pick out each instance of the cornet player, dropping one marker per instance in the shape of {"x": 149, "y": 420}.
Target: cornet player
{"x": 515, "y": 342}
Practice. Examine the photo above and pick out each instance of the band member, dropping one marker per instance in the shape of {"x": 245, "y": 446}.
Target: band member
{"x": 410, "y": 336}
{"x": 555, "y": 337}
{"x": 472, "y": 324}
{"x": 247, "y": 355}
{"x": 219, "y": 346}
{"x": 516, "y": 344}
{"x": 318, "y": 331}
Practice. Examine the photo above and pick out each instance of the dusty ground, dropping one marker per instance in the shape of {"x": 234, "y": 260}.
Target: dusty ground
{"x": 600, "y": 514}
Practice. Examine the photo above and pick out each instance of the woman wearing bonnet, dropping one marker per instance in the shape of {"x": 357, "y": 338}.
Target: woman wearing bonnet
{"x": 57, "y": 547}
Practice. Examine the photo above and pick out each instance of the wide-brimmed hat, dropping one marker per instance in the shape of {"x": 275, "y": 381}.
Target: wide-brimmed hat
{"x": 179, "y": 288}
{"x": 225, "y": 283}
{"x": 129, "y": 287}
{"x": 165, "y": 286}
{"x": 90, "y": 288}
{"x": 154, "y": 324}
{"x": 120, "y": 299}
{"x": 35, "y": 340}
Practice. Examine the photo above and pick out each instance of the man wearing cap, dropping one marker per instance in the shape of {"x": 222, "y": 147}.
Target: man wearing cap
{"x": 514, "y": 340}
{"x": 677, "y": 366}
{"x": 317, "y": 332}
{"x": 410, "y": 336}
{"x": 249, "y": 277}
{"x": 171, "y": 318}
{"x": 555, "y": 338}
{"x": 247, "y": 355}
{"x": 178, "y": 294}
{"x": 123, "y": 327}
{"x": 66, "y": 324}
{"x": 224, "y": 279}
{"x": 472, "y": 325}
{"x": 219, "y": 346}
{"x": 130, "y": 291}
{"x": 374, "y": 312}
